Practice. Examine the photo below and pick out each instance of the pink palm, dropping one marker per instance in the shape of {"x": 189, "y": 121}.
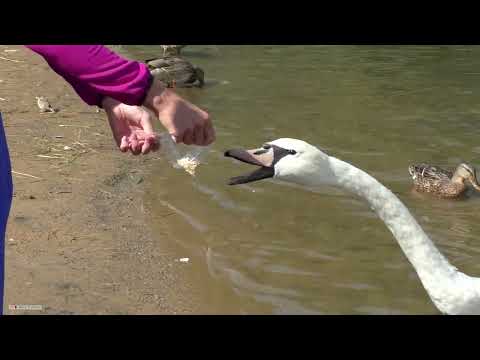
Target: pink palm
{"x": 131, "y": 127}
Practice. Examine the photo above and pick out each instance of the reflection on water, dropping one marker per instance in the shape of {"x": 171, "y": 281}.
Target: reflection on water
{"x": 269, "y": 248}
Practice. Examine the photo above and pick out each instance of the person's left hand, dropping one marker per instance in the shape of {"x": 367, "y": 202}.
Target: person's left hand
{"x": 131, "y": 127}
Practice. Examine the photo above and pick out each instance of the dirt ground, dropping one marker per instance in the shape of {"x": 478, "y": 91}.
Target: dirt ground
{"x": 77, "y": 240}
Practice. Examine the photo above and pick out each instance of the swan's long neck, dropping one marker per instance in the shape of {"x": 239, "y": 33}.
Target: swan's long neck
{"x": 447, "y": 287}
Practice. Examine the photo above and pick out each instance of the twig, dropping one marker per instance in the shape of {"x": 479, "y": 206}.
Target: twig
{"x": 106, "y": 192}
{"x": 78, "y": 143}
{"x": 51, "y": 157}
{"x": 4, "y": 58}
{"x": 61, "y": 125}
{"x": 2, "y": 99}
{"x": 164, "y": 216}
{"x": 71, "y": 178}
{"x": 28, "y": 175}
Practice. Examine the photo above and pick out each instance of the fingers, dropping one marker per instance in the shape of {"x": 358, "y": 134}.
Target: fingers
{"x": 188, "y": 137}
{"x": 124, "y": 145}
{"x": 148, "y": 136}
{"x": 135, "y": 145}
{"x": 199, "y": 137}
{"x": 199, "y": 132}
{"x": 146, "y": 148}
{"x": 151, "y": 144}
{"x": 146, "y": 122}
{"x": 186, "y": 122}
{"x": 209, "y": 132}
{"x": 140, "y": 144}
{"x": 132, "y": 128}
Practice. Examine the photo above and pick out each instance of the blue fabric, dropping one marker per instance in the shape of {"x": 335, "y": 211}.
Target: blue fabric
{"x": 5, "y": 202}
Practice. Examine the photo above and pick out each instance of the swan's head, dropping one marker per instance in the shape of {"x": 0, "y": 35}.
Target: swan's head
{"x": 285, "y": 159}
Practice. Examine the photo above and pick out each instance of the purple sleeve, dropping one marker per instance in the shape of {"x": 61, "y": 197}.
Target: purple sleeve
{"x": 95, "y": 71}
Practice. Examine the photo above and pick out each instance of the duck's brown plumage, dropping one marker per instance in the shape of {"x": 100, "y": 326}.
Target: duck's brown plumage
{"x": 441, "y": 182}
{"x": 175, "y": 71}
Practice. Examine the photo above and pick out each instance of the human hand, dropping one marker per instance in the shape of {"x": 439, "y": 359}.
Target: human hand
{"x": 131, "y": 127}
{"x": 186, "y": 122}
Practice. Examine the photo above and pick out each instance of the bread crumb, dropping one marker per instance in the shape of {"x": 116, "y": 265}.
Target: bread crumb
{"x": 189, "y": 164}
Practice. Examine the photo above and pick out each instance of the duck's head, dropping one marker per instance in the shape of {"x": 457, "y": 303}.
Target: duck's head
{"x": 466, "y": 172}
{"x": 200, "y": 75}
{"x": 285, "y": 159}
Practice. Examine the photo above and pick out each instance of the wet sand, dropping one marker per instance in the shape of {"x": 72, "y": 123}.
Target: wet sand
{"x": 77, "y": 240}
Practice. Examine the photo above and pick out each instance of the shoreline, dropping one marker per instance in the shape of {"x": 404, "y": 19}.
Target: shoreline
{"x": 78, "y": 240}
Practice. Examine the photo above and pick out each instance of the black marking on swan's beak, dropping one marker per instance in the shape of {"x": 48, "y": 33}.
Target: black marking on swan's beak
{"x": 259, "y": 157}
{"x": 265, "y": 157}
{"x": 259, "y": 174}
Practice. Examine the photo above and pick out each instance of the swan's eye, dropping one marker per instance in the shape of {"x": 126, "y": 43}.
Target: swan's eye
{"x": 266, "y": 146}
{"x": 292, "y": 152}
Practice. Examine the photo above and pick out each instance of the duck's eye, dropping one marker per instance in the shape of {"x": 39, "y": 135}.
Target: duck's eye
{"x": 292, "y": 152}
{"x": 267, "y": 146}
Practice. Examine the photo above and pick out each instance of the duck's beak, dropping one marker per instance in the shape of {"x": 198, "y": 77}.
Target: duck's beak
{"x": 260, "y": 157}
{"x": 474, "y": 182}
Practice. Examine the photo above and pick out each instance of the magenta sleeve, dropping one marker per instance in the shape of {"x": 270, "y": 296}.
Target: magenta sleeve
{"x": 95, "y": 71}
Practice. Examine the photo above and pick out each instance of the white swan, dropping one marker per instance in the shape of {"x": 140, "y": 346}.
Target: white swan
{"x": 298, "y": 162}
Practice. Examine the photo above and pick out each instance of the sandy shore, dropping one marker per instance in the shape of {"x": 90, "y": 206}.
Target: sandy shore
{"x": 77, "y": 240}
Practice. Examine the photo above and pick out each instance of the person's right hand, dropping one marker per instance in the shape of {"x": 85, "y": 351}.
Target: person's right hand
{"x": 186, "y": 122}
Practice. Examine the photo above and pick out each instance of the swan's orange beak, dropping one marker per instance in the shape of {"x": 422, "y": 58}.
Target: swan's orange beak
{"x": 263, "y": 157}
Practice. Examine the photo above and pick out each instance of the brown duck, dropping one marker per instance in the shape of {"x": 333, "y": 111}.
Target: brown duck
{"x": 441, "y": 182}
{"x": 175, "y": 71}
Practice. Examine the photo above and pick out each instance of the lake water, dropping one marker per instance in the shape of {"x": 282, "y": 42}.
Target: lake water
{"x": 265, "y": 248}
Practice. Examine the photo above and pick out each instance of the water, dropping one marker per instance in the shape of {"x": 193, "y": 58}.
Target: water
{"x": 269, "y": 249}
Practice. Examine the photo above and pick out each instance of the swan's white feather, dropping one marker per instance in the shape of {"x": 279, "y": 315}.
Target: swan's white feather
{"x": 450, "y": 290}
